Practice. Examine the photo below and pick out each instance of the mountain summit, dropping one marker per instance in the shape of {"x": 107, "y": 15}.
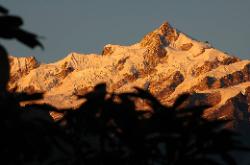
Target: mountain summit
{"x": 165, "y": 62}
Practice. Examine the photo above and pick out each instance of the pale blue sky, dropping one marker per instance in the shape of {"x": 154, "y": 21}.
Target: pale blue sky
{"x": 87, "y": 25}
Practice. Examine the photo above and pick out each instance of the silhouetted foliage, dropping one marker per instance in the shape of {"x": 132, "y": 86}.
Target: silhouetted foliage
{"x": 26, "y": 135}
{"x": 11, "y": 29}
{"x": 108, "y": 128}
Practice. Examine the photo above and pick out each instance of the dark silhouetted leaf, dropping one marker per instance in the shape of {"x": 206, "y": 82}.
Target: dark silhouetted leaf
{"x": 28, "y": 97}
{"x": 3, "y": 10}
{"x": 28, "y": 39}
{"x": 180, "y": 100}
{"x": 9, "y": 22}
{"x": 4, "y": 69}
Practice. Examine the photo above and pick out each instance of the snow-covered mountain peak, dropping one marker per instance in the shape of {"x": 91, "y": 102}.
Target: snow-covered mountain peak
{"x": 165, "y": 62}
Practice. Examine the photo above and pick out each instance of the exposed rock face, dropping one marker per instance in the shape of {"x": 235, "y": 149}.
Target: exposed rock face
{"x": 235, "y": 109}
{"x": 209, "y": 65}
{"x": 165, "y": 86}
{"x": 229, "y": 79}
{"x": 107, "y": 51}
{"x": 165, "y": 62}
{"x": 21, "y": 67}
{"x": 202, "y": 99}
{"x": 156, "y": 41}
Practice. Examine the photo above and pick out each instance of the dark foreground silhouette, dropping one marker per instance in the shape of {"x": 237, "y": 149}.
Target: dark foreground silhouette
{"x": 107, "y": 128}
